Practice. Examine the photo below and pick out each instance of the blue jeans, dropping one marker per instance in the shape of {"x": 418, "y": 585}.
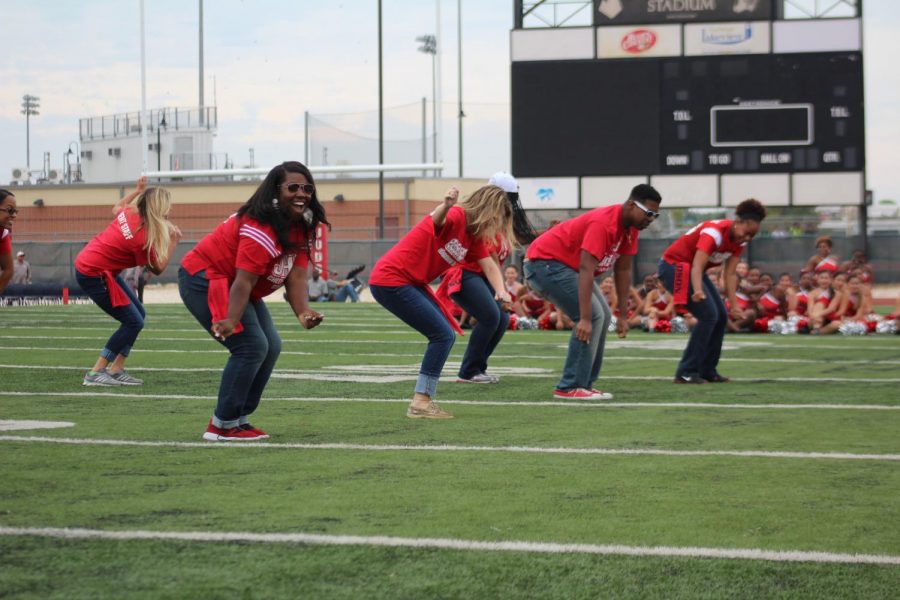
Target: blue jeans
{"x": 701, "y": 356}
{"x": 346, "y": 292}
{"x": 559, "y": 284}
{"x": 476, "y": 297}
{"x": 130, "y": 317}
{"x": 415, "y": 307}
{"x": 254, "y": 352}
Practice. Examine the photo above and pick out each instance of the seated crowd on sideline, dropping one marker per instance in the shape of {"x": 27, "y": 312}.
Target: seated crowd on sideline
{"x": 826, "y": 296}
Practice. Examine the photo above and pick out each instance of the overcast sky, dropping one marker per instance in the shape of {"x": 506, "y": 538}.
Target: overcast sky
{"x": 274, "y": 59}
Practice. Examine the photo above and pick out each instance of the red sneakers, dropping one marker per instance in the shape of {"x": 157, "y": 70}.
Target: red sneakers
{"x": 581, "y": 394}
{"x": 259, "y": 432}
{"x": 235, "y": 434}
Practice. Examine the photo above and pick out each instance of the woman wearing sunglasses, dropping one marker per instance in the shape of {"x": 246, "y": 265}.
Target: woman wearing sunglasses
{"x": 222, "y": 281}
{"x": 140, "y": 234}
{"x": 8, "y": 212}
{"x": 400, "y": 280}
{"x": 683, "y": 271}
{"x": 561, "y": 265}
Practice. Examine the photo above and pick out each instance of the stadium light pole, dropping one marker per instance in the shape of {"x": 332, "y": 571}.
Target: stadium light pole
{"x": 77, "y": 154}
{"x": 160, "y": 124}
{"x": 429, "y": 46}
{"x": 380, "y": 132}
{"x": 459, "y": 61}
{"x": 30, "y": 104}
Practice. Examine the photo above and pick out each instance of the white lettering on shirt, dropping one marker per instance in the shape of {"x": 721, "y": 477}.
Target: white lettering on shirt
{"x": 123, "y": 225}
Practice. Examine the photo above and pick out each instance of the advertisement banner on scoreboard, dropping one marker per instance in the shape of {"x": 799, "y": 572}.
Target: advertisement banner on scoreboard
{"x": 726, "y": 38}
{"x": 639, "y": 42}
{"x": 625, "y": 12}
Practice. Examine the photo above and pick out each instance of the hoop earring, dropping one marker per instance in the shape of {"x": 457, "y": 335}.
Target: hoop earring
{"x": 274, "y": 202}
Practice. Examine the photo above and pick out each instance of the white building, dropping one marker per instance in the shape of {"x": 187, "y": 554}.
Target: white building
{"x": 177, "y": 139}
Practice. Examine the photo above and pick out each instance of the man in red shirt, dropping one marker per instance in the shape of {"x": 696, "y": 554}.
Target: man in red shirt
{"x": 683, "y": 271}
{"x": 561, "y": 265}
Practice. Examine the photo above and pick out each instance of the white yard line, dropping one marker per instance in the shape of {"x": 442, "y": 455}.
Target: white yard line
{"x": 458, "y": 448}
{"x": 513, "y": 403}
{"x": 318, "y": 375}
{"x": 498, "y": 356}
{"x": 456, "y": 544}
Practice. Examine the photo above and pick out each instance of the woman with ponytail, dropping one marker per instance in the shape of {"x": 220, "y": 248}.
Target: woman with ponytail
{"x": 467, "y": 285}
{"x": 222, "y": 281}
{"x": 140, "y": 234}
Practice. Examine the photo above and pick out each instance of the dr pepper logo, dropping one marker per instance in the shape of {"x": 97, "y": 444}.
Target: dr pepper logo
{"x": 639, "y": 40}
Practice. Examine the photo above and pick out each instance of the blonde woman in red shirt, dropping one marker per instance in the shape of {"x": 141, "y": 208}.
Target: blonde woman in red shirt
{"x": 140, "y": 234}
{"x": 400, "y": 281}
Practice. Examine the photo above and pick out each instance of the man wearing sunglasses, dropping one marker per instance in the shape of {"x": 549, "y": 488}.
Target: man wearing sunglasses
{"x": 561, "y": 265}
{"x": 8, "y": 212}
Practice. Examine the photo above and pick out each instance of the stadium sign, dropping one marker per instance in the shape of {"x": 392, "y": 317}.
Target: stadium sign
{"x": 624, "y": 12}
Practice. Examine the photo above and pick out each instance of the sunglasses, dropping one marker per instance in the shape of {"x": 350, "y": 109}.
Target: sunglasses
{"x": 307, "y": 188}
{"x": 646, "y": 210}
{"x": 12, "y": 211}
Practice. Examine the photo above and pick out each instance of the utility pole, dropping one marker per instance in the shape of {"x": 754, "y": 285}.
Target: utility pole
{"x": 30, "y": 104}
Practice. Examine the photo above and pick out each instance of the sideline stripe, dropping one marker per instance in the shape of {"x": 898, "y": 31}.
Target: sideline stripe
{"x": 457, "y": 544}
{"x": 456, "y": 448}
{"x": 338, "y": 377}
{"x": 537, "y": 404}
{"x": 218, "y": 350}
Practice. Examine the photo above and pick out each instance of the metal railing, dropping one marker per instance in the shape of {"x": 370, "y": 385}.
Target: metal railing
{"x": 130, "y": 123}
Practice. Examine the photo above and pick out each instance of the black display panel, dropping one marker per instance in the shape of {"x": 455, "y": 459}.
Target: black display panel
{"x": 762, "y": 113}
{"x": 766, "y": 124}
{"x": 573, "y": 118}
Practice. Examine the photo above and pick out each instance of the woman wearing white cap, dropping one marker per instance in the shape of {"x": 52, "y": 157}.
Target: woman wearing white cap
{"x": 468, "y": 286}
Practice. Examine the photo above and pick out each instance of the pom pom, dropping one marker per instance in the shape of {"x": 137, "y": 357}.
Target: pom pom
{"x": 663, "y": 326}
{"x": 612, "y": 324}
{"x": 886, "y": 326}
{"x": 679, "y": 325}
{"x": 852, "y": 328}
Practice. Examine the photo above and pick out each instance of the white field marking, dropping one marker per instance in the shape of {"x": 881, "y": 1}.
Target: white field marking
{"x": 17, "y": 425}
{"x": 514, "y": 403}
{"x": 458, "y": 448}
{"x": 457, "y": 544}
{"x": 316, "y": 375}
{"x": 498, "y": 356}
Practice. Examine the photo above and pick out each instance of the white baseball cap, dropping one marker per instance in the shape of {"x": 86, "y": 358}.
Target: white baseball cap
{"x": 505, "y": 182}
{"x": 20, "y": 253}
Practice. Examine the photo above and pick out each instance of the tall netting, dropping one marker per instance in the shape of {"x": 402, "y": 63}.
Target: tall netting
{"x": 352, "y": 138}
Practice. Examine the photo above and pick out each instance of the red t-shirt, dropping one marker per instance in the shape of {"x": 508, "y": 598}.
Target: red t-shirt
{"x": 496, "y": 247}
{"x": 713, "y": 237}
{"x": 425, "y": 253}
{"x": 119, "y": 246}
{"x": 5, "y": 242}
{"x": 598, "y": 232}
{"x": 245, "y": 243}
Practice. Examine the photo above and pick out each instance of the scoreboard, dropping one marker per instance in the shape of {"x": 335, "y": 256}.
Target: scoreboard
{"x": 713, "y": 100}
{"x": 764, "y": 113}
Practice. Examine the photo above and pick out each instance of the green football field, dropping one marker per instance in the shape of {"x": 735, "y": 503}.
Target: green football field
{"x": 784, "y": 483}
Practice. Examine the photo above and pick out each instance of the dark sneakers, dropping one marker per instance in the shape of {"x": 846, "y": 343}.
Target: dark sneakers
{"x": 717, "y": 378}
{"x": 694, "y": 379}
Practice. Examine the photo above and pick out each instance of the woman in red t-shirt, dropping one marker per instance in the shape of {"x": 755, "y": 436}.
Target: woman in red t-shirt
{"x": 467, "y": 286}
{"x": 683, "y": 271}
{"x": 222, "y": 281}
{"x": 8, "y": 212}
{"x": 400, "y": 280}
{"x": 140, "y": 234}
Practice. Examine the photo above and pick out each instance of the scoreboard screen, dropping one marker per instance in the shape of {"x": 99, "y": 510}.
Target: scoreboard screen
{"x": 763, "y": 113}
{"x": 772, "y": 124}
